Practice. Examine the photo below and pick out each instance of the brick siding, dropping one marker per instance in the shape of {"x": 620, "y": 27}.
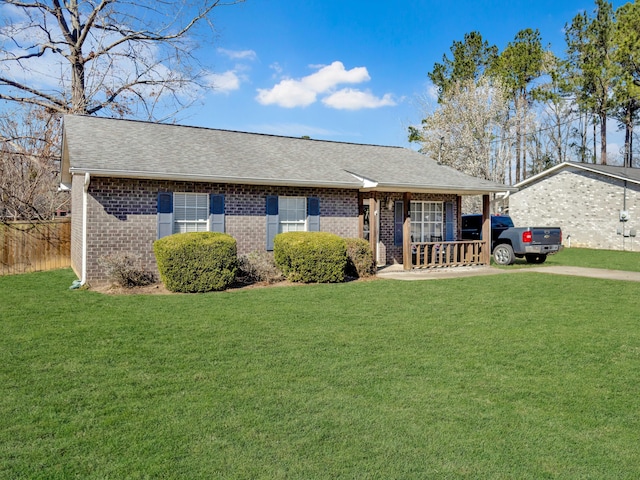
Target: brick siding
{"x": 585, "y": 205}
{"x": 122, "y": 217}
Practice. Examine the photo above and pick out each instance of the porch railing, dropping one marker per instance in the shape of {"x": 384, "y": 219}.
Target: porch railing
{"x": 447, "y": 254}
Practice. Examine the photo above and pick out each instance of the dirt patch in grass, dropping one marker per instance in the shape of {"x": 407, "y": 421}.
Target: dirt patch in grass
{"x": 160, "y": 289}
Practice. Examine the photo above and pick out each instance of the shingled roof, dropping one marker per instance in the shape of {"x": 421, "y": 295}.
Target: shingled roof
{"x": 611, "y": 171}
{"x": 134, "y": 149}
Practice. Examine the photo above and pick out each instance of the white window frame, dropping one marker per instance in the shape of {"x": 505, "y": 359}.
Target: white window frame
{"x": 427, "y": 221}
{"x": 193, "y": 217}
{"x": 292, "y": 214}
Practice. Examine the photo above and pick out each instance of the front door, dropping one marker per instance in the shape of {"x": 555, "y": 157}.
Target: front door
{"x": 380, "y": 254}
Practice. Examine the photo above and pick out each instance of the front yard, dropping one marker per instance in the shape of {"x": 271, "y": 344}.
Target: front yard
{"x": 507, "y": 376}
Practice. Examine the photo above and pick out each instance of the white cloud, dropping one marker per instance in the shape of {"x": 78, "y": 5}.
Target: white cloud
{"x": 238, "y": 54}
{"x": 332, "y": 75}
{"x": 288, "y": 94}
{"x": 353, "y": 99}
{"x": 291, "y": 93}
{"x": 224, "y": 82}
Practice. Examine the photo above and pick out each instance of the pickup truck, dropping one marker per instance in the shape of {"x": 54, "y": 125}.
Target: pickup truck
{"x": 509, "y": 242}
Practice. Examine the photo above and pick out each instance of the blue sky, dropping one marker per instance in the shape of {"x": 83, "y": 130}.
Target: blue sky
{"x": 349, "y": 70}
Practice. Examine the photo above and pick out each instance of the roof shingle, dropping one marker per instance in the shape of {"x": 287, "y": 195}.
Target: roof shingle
{"x": 134, "y": 149}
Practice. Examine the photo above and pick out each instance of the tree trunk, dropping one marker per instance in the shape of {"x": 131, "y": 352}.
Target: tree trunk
{"x": 583, "y": 150}
{"x": 78, "y": 97}
{"x": 603, "y": 138}
{"x": 78, "y": 87}
{"x": 559, "y": 143}
{"x": 525, "y": 147}
{"x": 631, "y": 146}
{"x": 593, "y": 157}
{"x": 518, "y": 141}
{"x": 627, "y": 136}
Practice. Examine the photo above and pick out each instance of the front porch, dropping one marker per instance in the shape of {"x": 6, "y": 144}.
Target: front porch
{"x": 445, "y": 247}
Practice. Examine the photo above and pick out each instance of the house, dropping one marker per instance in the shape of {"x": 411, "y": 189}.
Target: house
{"x": 133, "y": 182}
{"x": 597, "y": 206}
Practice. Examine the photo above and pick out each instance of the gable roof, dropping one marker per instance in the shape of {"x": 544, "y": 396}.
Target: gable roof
{"x": 135, "y": 149}
{"x": 611, "y": 171}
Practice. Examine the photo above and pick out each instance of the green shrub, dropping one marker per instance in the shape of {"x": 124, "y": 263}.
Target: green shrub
{"x": 258, "y": 267}
{"x": 311, "y": 256}
{"x": 359, "y": 258}
{"x": 197, "y": 261}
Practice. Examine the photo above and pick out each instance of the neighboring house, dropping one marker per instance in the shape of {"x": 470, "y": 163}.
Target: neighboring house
{"x": 586, "y": 200}
{"x": 133, "y": 182}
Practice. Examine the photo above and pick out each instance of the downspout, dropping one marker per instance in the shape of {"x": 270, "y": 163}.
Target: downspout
{"x": 85, "y": 201}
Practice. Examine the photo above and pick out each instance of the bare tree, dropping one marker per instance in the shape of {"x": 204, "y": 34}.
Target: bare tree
{"x": 116, "y": 57}
{"x": 123, "y": 58}
{"x": 467, "y": 129}
{"x": 29, "y": 165}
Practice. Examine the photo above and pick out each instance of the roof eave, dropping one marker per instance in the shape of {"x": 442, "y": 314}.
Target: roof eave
{"x": 142, "y": 175}
{"x": 362, "y": 186}
{"x": 580, "y": 166}
{"x": 442, "y": 189}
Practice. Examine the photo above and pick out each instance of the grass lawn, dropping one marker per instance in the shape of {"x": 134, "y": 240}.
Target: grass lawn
{"x": 585, "y": 257}
{"x": 506, "y": 376}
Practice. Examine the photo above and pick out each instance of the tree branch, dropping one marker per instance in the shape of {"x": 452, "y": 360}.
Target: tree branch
{"x": 55, "y": 104}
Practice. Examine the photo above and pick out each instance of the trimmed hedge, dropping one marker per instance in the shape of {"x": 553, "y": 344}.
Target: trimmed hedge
{"x": 359, "y": 258}
{"x": 197, "y": 261}
{"x": 311, "y": 257}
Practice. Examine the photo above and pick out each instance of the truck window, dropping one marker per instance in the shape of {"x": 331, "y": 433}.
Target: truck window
{"x": 502, "y": 222}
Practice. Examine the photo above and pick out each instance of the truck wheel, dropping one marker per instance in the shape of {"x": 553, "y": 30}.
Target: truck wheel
{"x": 503, "y": 254}
{"x": 535, "y": 257}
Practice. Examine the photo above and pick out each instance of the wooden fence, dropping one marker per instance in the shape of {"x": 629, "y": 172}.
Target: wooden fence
{"x": 34, "y": 246}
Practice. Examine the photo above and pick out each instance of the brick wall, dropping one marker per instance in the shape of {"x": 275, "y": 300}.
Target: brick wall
{"x": 122, "y": 216}
{"x": 585, "y": 205}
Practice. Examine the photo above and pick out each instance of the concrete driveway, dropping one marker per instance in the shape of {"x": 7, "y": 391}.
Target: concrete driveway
{"x": 396, "y": 272}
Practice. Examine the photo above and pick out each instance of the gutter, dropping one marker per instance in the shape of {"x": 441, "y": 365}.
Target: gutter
{"x": 453, "y": 189}
{"x": 361, "y": 183}
{"x": 215, "y": 179}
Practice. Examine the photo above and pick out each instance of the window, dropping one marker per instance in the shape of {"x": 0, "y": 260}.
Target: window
{"x": 366, "y": 222}
{"x": 426, "y": 221}
{"x": 190, "y": 212}
{"x": 292, "y": 212}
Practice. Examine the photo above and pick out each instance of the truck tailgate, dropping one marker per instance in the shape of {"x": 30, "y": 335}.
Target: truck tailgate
{"x": 546, "y": 236}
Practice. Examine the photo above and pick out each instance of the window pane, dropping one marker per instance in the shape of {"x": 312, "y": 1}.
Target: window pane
{"x": 292, "y": 214}
{"x": 190, "y": 212}
{"x": 426, "y": 221}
